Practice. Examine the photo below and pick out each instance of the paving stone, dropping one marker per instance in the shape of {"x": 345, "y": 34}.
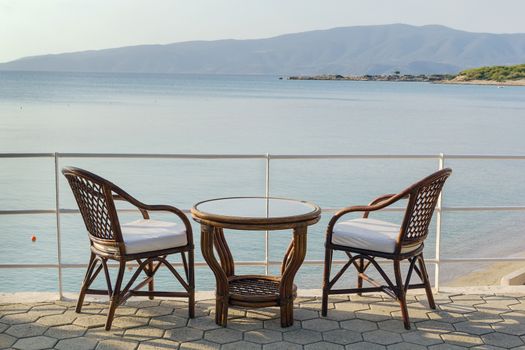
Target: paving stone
{"x": 81, "y": 343}
{"x": 456, "y": 308}
{"x": 26, "y": 330}
{"x": 366, "y": 298}
{"x": 342, "y": 336}
{"x": 351, "y": 306}
{"x": 143, "y": 333}
{"x": 35, "y": 343}
{"x": 406, "y": 346}
{"x": 302, "y": 336}
{"x": 393, "y": 326}
{"x": 158, "y": 344}
{"x": 488, "y": 347}
{"x": 476, "y": 328}
{"x": 204, "y": 323}
{"x": 502, "y": 340}
{"x": 447, "y": 347}
{"x": 365, "y": 346}
{"x": 372, "y": 316}
{"x": 3, "y": 327}
{"x": 305, "y": 314}
{"x": 168, "y": 322}
{"x": 483, "y": 317}
{"x": 9, "y": 309}
{"x": 121, "y": 311}
{"x": 6, "y": 340}
{"x": 425, "y": 338}
{"x": 382, "y": 337}
{"x": 262, "y": 336}
{"x": 461, "y": 339}
{"x": 315, "y": 305}
{"x": 323, "y": 346}
{"x": 340, "y": 315}
{"x": 359, "y": 325}
{"x": 117, "y": 344}
{"x": 244, "y": 324}
{"x": 282, "y": 346}
{"x": 435, "y": 326}
{"x": 100, "y": 333}
{"x": 199, "y": 345}
{"x": 90, "y": 321}
{"x": 51, "y": 309}
{"x": 154, "y": 311}
{"x": 26, "y": 317}
{"x": 320, "y": 325}
{"x": 58, "y": 320}
{"x": 511, "y": 324}
{"x": 223, "y": 335}
{"x": 66, "y": 331}
{"x": 184, "y": 334}
{"x": 129, "y": 321}
{"x": 264, "y": 313}
{"x": 448, "y": 317}
{"x": 143, "y": 303}
{"x": 241, "y": 345}
{"x": 275, "y": 324}
{"x": 179, "y": 304}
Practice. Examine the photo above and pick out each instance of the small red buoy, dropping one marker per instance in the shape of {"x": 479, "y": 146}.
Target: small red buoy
{"x": 33, "y": 238}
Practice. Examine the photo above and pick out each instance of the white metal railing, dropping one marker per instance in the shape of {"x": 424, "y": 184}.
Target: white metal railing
{"x": 440, "y": 209}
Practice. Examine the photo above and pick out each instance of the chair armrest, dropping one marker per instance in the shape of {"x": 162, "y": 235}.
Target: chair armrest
{"x": 145, "y": 208}
{"x": 377, "y": 204}
{"x": 377, "y": 201}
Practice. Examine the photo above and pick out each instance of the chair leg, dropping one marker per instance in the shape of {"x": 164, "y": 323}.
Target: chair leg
{"x": 326, "y": 280}
{"x": 428, "y": 288}
{"x": 400, "y": 292}
{"x": 115, "y": 297}
{"x": 191, "y": 283}
{"x": 359, "y": 278}
{"x": 85, "y": 284}
{"x": 151, "y": 284}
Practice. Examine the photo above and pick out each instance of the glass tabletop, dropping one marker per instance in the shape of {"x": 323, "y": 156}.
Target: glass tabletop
{"x": 256, "y": 207}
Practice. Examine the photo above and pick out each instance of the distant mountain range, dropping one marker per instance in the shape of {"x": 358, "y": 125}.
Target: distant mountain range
{"x": 358, "y": 50}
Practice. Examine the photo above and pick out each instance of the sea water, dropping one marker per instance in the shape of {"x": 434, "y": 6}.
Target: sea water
{"x": 210, "y": 114}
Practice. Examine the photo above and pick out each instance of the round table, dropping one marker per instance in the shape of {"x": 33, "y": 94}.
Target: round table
{"x": 260, "y": 214}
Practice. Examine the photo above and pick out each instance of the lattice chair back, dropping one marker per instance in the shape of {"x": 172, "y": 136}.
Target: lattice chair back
{"x": 94, "y": 197}
{"x": 422, "y": 200}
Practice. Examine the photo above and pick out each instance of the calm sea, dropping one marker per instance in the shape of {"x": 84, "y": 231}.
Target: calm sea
{"x": 131, "y": 113}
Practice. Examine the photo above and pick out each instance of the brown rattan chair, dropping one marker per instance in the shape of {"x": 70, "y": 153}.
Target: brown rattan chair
{"x": 146, "y": 241}
{"x": 363, "y": 240}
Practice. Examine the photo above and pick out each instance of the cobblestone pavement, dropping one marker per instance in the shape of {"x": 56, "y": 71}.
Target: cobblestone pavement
{"x": 368, "y": 322}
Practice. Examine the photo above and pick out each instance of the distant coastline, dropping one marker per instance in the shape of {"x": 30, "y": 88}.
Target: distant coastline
{"x": 493, "y": 75}
{"x": 390, "y": 77}
{"x": 433, "y": 78}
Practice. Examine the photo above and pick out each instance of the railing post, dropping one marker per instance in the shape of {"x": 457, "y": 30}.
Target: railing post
{"x": 59, "y": 242}
{"x": 438, "y": 227}
{"x": 267, "y": 194}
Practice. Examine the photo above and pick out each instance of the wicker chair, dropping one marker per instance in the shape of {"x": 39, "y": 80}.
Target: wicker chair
{"x": 365, "y": 239}
{"x": 146, "y": 241}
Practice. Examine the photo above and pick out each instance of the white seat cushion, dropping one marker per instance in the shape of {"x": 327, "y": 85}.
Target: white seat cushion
{"x": 149, "y": 235}
{"x": 369, "y": 234}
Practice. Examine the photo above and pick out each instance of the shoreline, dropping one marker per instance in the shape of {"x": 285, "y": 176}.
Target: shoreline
{"x": 422, "y": 78}
{"x": 520, "y": 82}
{"x": 487, "y": 274}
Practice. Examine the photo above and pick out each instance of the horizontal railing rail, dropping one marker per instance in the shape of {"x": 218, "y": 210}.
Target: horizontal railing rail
{"x": 440, "y": 209}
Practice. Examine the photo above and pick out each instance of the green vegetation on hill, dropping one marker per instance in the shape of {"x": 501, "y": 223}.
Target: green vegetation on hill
{"x": 496, "y": 73}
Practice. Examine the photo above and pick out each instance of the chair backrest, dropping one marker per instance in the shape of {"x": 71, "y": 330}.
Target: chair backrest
{"x": 422, "y": 200}
{"x": 95, "y": 200}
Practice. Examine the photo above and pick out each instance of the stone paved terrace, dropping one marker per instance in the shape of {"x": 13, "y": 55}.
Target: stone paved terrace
{"x": 486, "y": 321}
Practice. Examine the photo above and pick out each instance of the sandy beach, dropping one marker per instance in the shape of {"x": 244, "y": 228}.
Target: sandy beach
{"x": 519, "y": 82}
{"x": 486, "y": 274}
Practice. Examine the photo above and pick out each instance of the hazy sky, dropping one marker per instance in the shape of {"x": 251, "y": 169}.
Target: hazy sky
{"x": 33, "y": 27}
